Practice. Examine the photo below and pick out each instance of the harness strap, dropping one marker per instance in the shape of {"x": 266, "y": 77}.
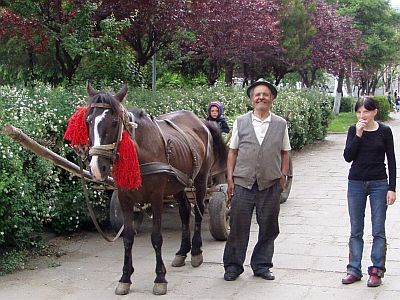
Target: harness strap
{"x": 196, "y": 166}
{"x": 158, "y": 167}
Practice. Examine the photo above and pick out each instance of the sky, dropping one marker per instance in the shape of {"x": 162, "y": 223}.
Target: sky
{"x": 395, "y": 4}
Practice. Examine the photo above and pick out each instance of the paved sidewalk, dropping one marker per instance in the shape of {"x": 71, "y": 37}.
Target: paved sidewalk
{"x": 310, "y": 257}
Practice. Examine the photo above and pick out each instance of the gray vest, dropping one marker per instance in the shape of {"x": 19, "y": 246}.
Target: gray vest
{"x": 255, "y": 161}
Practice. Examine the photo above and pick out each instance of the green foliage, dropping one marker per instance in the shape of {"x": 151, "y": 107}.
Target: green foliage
{"x": 33, "y": 192}
{"x": 309, "y": 115}
{"x": 378, "y": 23}
{"x": 12, "y": 260}
{"x": 347, "y": 104}
{"x": 384, "y": 108}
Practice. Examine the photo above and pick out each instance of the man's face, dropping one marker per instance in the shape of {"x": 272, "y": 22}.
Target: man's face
{"x": 262, "y": 98}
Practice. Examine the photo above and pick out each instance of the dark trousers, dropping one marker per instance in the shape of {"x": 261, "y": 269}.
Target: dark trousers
{"x": 267, "y": 207}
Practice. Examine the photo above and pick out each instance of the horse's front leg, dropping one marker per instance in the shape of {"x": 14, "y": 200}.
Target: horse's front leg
{"x": 184, "y": 212}
{"x": 197, "y": 253}
{"x": 128, "y": 235}
{"x": 160, "y": 283}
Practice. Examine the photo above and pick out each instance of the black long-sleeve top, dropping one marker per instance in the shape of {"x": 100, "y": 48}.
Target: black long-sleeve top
{"x": 368, "y": 155}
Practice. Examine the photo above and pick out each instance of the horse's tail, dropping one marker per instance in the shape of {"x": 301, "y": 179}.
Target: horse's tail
{"x": 219, "y": 147}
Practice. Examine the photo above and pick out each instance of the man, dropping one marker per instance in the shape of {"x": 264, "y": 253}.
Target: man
{"x": 258, "y": 163}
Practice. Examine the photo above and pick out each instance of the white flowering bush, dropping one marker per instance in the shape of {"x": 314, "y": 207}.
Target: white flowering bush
{"x": 35, "y": 195}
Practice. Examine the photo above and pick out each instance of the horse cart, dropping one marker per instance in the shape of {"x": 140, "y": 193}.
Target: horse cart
{"x": 216, "y": 200}
{"x": 175, "y": 150}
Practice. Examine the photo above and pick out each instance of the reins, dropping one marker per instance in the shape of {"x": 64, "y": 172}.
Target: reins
{"x": 108, "y": 151}
{"x": 90, "y": 208}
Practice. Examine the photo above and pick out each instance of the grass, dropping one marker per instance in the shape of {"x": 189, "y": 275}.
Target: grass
{"x": 342, "y": 122}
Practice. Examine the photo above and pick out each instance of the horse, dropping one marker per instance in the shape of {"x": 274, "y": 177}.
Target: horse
{"x": 174, "y": 150}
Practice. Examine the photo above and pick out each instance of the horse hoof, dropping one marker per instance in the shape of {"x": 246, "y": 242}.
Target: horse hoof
{"x": 178, "y": 261}
{"x": 197, "y": 260}
{"x": 160, "y": 288}
{"x": 122, "y": 288}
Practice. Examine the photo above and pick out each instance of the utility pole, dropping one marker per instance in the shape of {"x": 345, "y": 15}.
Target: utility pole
{"x": 153, "y": 67}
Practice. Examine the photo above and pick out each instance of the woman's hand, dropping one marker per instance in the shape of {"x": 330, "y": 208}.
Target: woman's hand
{"x": 390, "y": 197}
{"x": 360, "y": 126}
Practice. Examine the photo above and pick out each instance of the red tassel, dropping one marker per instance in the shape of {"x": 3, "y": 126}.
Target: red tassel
{"x": 126, "y": 170}
{"x": 77, "y": 131}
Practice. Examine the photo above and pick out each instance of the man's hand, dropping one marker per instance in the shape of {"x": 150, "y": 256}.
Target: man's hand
{"x": 230, "y": 189}
{"x": 282, "y": 182}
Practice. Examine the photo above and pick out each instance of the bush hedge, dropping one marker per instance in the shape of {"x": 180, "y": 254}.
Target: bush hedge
{"x": 36, "y": 196}
{"x": 347, "y": 104}
{"x": 384, "y": 108}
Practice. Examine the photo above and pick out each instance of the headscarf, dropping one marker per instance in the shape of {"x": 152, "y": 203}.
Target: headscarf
{"x": 218, "y": 105}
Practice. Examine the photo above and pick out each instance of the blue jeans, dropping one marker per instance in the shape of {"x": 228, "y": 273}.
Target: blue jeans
{"x": 357, "y": 193}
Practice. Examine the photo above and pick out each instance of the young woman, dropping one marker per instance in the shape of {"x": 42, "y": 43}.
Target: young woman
{"x": 368, "y": 143}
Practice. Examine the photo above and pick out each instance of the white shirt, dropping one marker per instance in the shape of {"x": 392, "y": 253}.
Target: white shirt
{"x": 260, "y": 129}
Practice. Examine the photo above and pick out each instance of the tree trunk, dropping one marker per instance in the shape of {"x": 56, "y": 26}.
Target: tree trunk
{"x": 339, "y": 93}
{"x": 245, "y": 75}
{"x": 348, "y": 87}
{"x": 212, "y": 75}
{"x": 229, "y": 74}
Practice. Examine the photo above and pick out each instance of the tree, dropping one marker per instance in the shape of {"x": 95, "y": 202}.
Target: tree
{"x": 228, "y": 32}
{"x": 153, "y": 24}
{"x": 378, "y": 23}
{"x": 60, "y": 31}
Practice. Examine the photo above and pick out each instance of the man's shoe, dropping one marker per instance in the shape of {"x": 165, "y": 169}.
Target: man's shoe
{"x": 230, "y": 276}
{"x": 350, "y": 278}
{"x": 267, "y": 275}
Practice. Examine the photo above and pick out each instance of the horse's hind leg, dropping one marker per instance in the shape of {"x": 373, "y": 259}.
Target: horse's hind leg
{"x": 184, "y": 212}
{"x": 160, "y": 283}
{"x": 128, "y": 235}
{"x": 197, "y": 255}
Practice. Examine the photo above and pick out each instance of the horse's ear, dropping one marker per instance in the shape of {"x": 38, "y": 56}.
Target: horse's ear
{"x": 122, "y": 93}
{"x": 91, "y": 91}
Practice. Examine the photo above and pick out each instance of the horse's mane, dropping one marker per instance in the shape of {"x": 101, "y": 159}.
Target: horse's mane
{"x": 108, "y": 98}
{"x": 220, "y": 148}
{"x": 138, "y": 113}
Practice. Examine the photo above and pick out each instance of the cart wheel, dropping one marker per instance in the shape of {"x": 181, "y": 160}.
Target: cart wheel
{"x": 288, "y": 186}
{"x": 117, "y": 218}
{"x": 219, "y": 216}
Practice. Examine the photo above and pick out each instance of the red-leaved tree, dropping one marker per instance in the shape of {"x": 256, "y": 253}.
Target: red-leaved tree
{"x": 228, "y": 32}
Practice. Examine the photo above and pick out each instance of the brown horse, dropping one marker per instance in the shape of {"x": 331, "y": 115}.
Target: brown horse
{"x": 175, "y": 150}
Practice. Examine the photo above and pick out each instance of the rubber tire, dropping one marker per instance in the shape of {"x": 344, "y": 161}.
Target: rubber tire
{"x": 117, "y": 218}
{"x": 219, "y": 216}
{"x": 288, "y": 186}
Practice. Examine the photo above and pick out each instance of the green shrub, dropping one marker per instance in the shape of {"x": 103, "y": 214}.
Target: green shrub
{"x": 347, "y": 104}
{"x": 384, "y": 108}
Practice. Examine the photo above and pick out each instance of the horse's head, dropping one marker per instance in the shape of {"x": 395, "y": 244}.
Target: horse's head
{"x": 106, "y": 119}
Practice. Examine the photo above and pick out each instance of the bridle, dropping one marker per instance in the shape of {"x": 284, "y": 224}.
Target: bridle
{"x": 125, "y": 121}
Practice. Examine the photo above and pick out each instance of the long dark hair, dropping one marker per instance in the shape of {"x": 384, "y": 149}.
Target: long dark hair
{"x": 368, "y": 102}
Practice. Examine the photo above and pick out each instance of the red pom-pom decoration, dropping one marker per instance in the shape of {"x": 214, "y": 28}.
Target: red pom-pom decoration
{"x": 77, "y": 131}
{"x": 126, "y": 169}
